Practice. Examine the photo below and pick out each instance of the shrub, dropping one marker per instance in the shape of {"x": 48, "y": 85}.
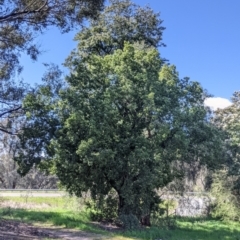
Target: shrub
{"x": 226, "y": 204}
{"x": 129, "y": 221}
{"x": 103, "y": 208}
{"x": 164, "y": 215}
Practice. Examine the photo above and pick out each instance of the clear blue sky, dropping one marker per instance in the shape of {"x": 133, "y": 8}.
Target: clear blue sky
{"x": 202, "y": 38}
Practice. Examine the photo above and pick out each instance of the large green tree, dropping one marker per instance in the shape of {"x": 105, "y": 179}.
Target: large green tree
{"x": 20, "y": 23}
{"x": 123, "y": 120}
{"x": 123, "y": 117}
{"x": 120, "y": 21}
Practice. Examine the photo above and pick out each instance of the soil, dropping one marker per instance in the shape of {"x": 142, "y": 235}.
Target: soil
{"x": 14, "y": 230}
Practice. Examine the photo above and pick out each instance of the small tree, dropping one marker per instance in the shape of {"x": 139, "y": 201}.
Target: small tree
{"x": 226, "y": 183}
{"x": 228, "y": 120}
{"x": 9, "y": 176}
{"x": 226, "y": 203}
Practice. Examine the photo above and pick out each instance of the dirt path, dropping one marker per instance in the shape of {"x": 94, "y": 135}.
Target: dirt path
{"x": 16, "y": 230}
{"x": 11, "y": 230}
{"x": 69, "y": 234}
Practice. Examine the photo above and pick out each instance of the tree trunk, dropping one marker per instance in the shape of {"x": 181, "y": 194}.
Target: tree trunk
{"x": 120, "y": 204}
{"x": 145, "y": 220}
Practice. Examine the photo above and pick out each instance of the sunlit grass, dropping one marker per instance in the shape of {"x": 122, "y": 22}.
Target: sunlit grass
{"x": 69, "y": 212}
{"x": 192, "y": 229}
{"x": 63, "y": 202}
{"x": 57, "y": 217}
{"x": 54, "y": 202}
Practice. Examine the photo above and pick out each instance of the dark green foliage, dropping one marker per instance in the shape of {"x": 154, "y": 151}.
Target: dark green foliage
{"x": 228, "y": 120}
{"x": 21, "y": 20}
{"x": 123, "y": 127}
{"x": 225, "y": 204}
{"x": 20, "y": 23}
{"x": 11, "y": 94}
{"x": 104, "y": 132}
{"x": 103, "y": 208}
{"x": 123, "y": 118}
{"x": 121, "y": 21}
{"x": 225, "y": 185}
{"x": 41, "y": 123}
{"x": 129, "y": 221}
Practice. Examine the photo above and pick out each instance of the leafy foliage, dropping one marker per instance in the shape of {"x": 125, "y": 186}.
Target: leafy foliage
{"x": 20, "y": 22}
{"x": 9, "y": 176}
{"x": 11, "y": 95}
{"x": 226, "y": 183}
{"x": 41, "y": 123}
{"x": 126, "y": 127}
{"x": 123, "y": 119}
{"x": 226, "y": 203}
{"x": 104, "y": 208}
{"x": 121, "y": 21}
{"x": 228, "y": 120}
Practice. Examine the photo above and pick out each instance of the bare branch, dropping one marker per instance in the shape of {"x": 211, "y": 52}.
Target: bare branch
{"x": 10, "y": 111}
{"x": 6, "y": 131}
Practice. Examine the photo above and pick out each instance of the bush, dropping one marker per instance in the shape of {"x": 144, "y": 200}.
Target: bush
{"x": 164, "y": 215}
{"x": 129, "y": 221}
{"x": 103, "y": 208}
{"x": 226, "y": 204}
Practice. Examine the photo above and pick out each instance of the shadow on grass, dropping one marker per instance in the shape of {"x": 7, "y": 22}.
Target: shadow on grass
{"x": 68, "y": 219}
{"x": 191, "y": 229}
{"x": 187, "y": 228}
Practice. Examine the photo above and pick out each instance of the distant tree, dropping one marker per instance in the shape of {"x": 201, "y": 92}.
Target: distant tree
{"x": 226, "y": 202}
{"x": 228, "y": 120}
{"x": 9, "y": 176}
{"x": 20, "y": 22}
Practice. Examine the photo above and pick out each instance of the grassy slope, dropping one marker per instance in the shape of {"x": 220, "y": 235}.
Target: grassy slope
{"x": 65, "y": 212}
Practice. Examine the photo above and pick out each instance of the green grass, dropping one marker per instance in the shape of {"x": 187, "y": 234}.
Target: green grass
{"x": 59, "y": 202}
{"x": 57, "y": 217}
{"x": 65, "y": 212}
{"x": 58, "y": 211}
{"x": 187, "y": 229}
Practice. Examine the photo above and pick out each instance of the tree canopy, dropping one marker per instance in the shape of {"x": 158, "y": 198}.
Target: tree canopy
{"x": 119, "y": 22}
{"x": 20, "y": 22}
{"x": 123, "y": 119}
{"x": 144, "y": 23}
{"x": 227, "y": 119}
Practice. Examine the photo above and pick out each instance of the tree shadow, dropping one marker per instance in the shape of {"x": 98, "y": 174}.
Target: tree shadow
{"x": 187, "y": 228}
{"x": 66, "y": 219}
{"x": 191, "y": 229}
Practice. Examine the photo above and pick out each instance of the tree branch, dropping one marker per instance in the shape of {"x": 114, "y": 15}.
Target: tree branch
{"x": 10, "y": 111}
{"x": 15, "y": 15}
{"x": 6, "y": 131}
